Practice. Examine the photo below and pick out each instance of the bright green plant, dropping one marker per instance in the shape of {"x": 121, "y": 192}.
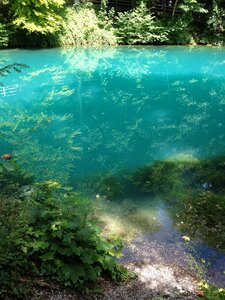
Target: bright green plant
{"x": 139, "y": 26}
{"x": 52, "y": 235}
{"x": 82, "y": 27}
{"x": 39, "y": 16}
{"x": 211, "y": 292}
{"x": 65, "y": 244}
{"x": 13, "y": 262}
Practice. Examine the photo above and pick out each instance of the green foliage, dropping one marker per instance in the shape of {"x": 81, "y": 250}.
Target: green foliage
{"x": 105, "y": 17}
{"x": 211, "y": 292}
{"x": 215, "y": 28}
{"x": 50, "y": 234}
{"x": 39, "y": 16}
{"x": 13, "y": 262}
{"x": 203, "y": 215}
{"x": 182, "y": 27}
{"x": 66, "y": 245}
{"x": 4, "y": 36}
{"x": 139, "y": 26}
{"x": 4, "y": 71}
{"x": 40, "y": 23}
{"x": 180, "y": 31}
{"x": 159, "y": 178}
{"x": 109, "y": 186}
{"x": 191, "y": 6}
{"x": 83, "y": 28}
{"x": 25, "y": 131}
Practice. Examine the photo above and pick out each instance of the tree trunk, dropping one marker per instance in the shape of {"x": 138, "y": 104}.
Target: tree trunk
{"x": 174, "y": 8}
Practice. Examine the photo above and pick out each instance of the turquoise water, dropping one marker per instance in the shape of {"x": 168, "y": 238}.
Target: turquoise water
{"x": 78, "y": 111}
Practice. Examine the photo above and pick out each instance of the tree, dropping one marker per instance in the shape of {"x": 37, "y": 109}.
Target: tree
{"x": 38, "y": 16}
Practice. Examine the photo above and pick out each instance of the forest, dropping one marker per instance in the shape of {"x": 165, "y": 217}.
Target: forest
{"x": 54, "y": 23}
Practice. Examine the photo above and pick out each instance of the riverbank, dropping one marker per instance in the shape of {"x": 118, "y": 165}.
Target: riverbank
{"x": 153, "y": 282}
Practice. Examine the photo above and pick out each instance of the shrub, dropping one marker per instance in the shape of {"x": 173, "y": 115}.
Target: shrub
{"x": 215, "y": 29}
{"x": 13, "y": 261}
{"x": 180, "y": 31}
{"x": 139, "y": 26}
{"x": 211, "y": 292}
{"x": 55, "y": 238}
{"x": 82, "y": 28}
{"x": 49, "y": 234}
{"x": 65, "y": 243}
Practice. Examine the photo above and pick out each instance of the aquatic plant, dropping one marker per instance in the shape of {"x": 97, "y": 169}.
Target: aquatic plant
{"x": 109, "y": 186}
{"x": 201, "y": 214}
{"x": 161, "y": 177}
{"x": 25, "y": 133}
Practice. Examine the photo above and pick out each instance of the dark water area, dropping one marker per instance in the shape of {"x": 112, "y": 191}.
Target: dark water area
{"x": 76, "y": 113}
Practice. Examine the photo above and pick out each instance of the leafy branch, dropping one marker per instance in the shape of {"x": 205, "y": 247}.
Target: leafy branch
{"x": 17, "y": 67}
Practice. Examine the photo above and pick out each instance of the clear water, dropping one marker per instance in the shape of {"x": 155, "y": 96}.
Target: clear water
{"x": 76, "y": 112}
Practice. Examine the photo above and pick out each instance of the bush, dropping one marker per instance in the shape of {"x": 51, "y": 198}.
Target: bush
{"x": 139, "y": 26}
{"x": 82, "y": 28}
{"x": 180, "y": 31}
{"x": 211, "y": 292}
{"x": 65, "y": 244}
{"x": 13, "y": 261}
{"x": 215, "y": 29}
{"x": 55, "y": 236}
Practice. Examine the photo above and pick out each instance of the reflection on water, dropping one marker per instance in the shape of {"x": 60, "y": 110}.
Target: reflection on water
{"x": 121, "y": 106}
{"x": 79, "y": 112}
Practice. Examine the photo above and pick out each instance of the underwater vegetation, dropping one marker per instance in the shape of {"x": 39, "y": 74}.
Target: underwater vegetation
{"x": 192, "y": 189}
{"x": 109, "y": 186}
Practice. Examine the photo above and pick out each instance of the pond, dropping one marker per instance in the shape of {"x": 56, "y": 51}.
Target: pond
{"x": 126, "y": 126}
